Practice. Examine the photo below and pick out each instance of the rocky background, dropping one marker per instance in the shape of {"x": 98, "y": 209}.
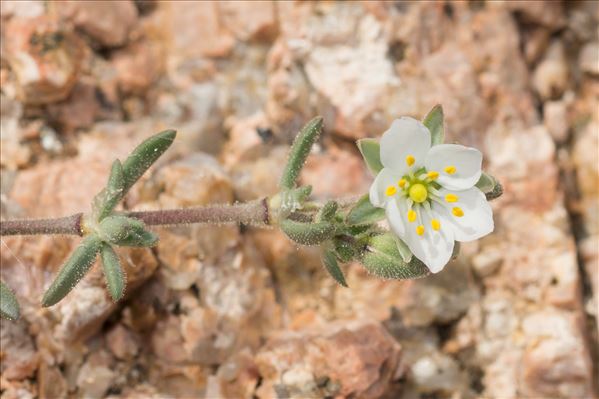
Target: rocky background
{"x": 229, "y": 312}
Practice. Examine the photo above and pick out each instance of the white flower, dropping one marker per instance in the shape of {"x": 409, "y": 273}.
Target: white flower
{"x": 428, "y": 192}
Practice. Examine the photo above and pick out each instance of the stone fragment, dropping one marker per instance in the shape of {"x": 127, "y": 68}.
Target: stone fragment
{"x": 551, "y": 76}
{"x": 121, "y": 342}
{"x": 185, "y": 22}
{"x": 109, "y": 23}
{"x": 51, "y": 382}
{"x": 249, "y": 19}
{"x": 96, "y": 375}
{"x": 556, "y": 362}
{"x": 19, "y": 356}
{"x": 336, "y": 173}
{"x": 342, "y": 359}
{"x": 44, "y": 57}
{"x": 588, "y": 60}
{"x": 550, "y": 14}
{"x": 138, "y": 66}
{"x": 555, "y": 119}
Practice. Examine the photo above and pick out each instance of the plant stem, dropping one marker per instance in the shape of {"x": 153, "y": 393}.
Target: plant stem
{"x": 64, "y": 225}
{"x": 255, "y": 212}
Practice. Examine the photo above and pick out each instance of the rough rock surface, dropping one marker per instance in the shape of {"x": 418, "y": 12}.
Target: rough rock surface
{"x": 240, "y": 312}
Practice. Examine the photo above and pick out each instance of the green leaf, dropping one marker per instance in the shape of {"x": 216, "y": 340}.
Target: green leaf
{"x": 308, "y": 233}
{"x": 330, "y": 264}
{"x": 113, "y": 272}
{"x": 299, "y": 152}
{"x": 346, "y": 249}
{"x": 486, "y": 183}
{"x": 456, "y": 250}
{"x": 293, "y": 199}
{"x": 109, "y": 197}
{"x": 371, "y": 152}
{"x": 364, "y": 212}
{"x": 434, "y": 122}
{"x": 404, "y": 250}
{"x": 383, "y": 259}
{"x": 9, "y": 307}
{"x": 125, "y": 231}
{"x": 73, "y": 270}
{"x": 144, "y": 155}
{"x": 490, "y": 186}
{"x": 327, "y": 212}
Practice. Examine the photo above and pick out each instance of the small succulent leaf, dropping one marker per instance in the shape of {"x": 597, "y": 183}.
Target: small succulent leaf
{"x": 364, "y": 212}
{"x": 327, "y": 212}
{"x": 9, "y": 307}
{"x": 495, "y": 193}
{"x": 125, "y": 231}
{"x": 404, "y": 250}
{"x": 73, "y": 270}
{"x": 456, "y": 250}
{"x": 371, "y": 152}
{"x": 486, "y": 183}
{"x": 144, "y": 155}
{"x": 308, "y": 233}
{"x": 113, "y": 272}
{"x": 109, "y": 197}
{"x": 434, "y": 122}
{"x": 329, "y": 261}
{"x": 299, "y": 152}
{"x": 346, "y": 250}
{"x": 293, "y": 199}
{"x": 382, "y": 259}
{"x": 144, "y": 238}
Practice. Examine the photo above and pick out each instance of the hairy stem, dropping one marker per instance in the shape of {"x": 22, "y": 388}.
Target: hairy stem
{"x": 64, "y": 225}
{"x": 255, "y": 212}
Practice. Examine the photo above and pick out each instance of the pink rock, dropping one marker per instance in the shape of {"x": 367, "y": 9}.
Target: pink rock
{"x": 44, "y": 57}
{"x": 249, "y": 19}
{"x": 107, "y": 22}
{"x": 138, "y": 66}
{"x": 195, "y": 30}
{"x": 340, "y": 359}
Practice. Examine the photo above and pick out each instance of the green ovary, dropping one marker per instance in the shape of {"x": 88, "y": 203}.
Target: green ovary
{"x": 418, "y": 193}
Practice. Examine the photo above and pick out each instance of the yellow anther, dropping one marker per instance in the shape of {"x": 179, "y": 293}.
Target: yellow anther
{"x": 420, "y": 230}
{"x": 418, "y": 193}
{"x": 410, "y": 160}
{"x": 390, "y": 191}
{"x": 451, "y": 198}
{"x": 435, "y": 224}
{"x": 432, "y": 175}
{"x": 457, "y": 211}
{"x": 402, "y": 183}
{"x": 411, "y": 216}
{"x": 450, "y": 170}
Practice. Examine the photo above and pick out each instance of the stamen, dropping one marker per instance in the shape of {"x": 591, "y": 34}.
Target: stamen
{"x": 450, "y": 170}
{"x": 420, "y": 230}
{"x": 436, "y": 225}
{"x": 411, "y": 216}
{"x": 451, "y": 198}
{"x": 402, "y": 183}
{"x": 390, "y": 191}
{"x": 410, "y": 160}
{"x": 432, "y": 174}
{"x": 457, "y": 211}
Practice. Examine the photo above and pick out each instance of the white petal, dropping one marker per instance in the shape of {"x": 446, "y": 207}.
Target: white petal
{"x": 384, "y": 179}
{"x": 478, "y": 215}
{"x": 433, "y": 248}
{"x": 466, "y": 160}
{"x": 406, "y": 136}
{"x": 394, "y": 214}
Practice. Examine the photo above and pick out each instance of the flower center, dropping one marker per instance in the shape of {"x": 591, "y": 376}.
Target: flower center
{"x": 418, "y": 193}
